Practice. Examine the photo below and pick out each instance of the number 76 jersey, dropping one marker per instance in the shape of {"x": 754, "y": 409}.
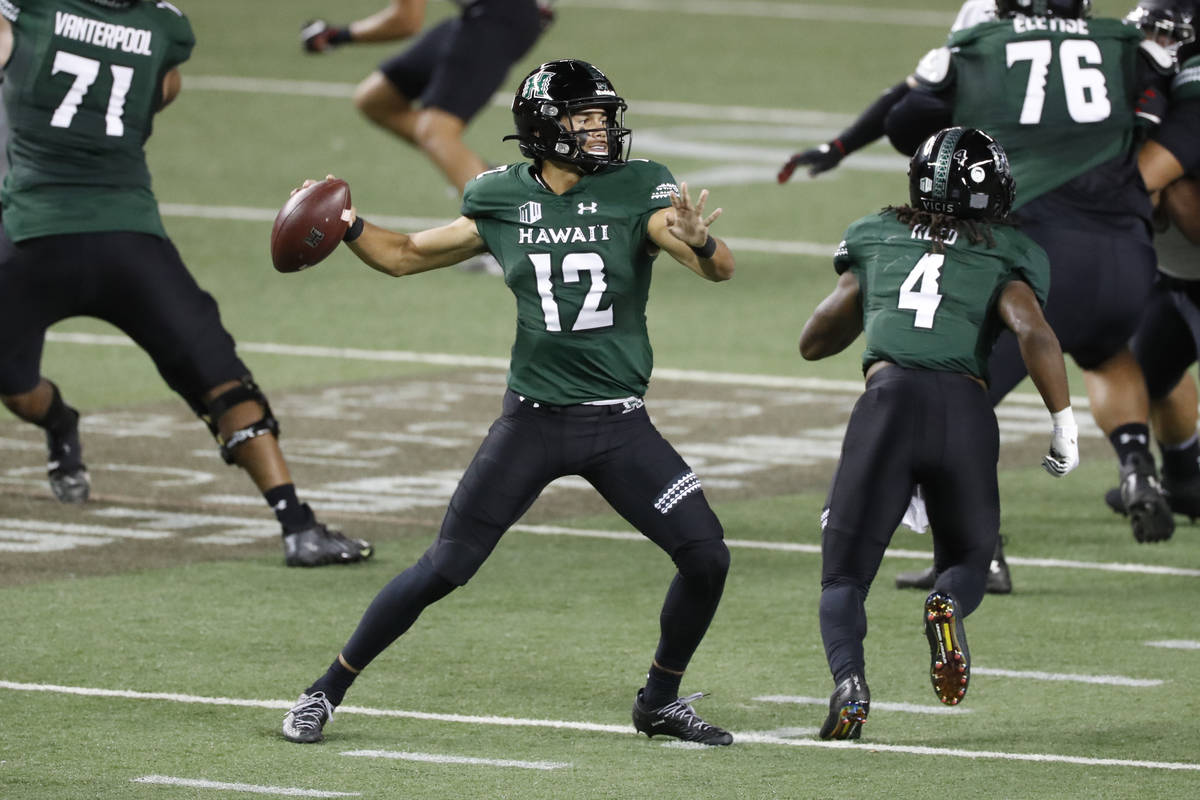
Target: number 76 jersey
{"x": 935, "y": 311}
{"x": 579, "y": 265}
{"x": 81, "y": 90}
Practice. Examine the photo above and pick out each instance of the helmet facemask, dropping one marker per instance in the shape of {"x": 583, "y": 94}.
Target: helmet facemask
{"x": 1166, "y": 23}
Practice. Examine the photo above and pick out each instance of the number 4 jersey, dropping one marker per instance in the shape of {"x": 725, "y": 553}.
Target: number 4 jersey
{"x": 935, "y": 311}
{"x": 81, "y": 90}
{"x": 579, "y": 264}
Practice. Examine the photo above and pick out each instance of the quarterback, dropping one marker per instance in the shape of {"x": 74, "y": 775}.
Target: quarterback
{"x": 576, "y": 232}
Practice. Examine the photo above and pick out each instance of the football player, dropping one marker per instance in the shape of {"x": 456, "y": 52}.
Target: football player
{"x": 931, "y": 284}
{"x": 577, "y": 232}
{"x": 428, "y": 93}
{"x": 83, "y": 237}
{"x": 1071, "y": 97}
{"x": 1168, "y": 337}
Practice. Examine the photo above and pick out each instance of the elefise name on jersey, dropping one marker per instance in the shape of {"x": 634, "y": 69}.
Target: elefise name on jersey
{"x": 1055, "y": 24}
{"x": 102, "y": 34}
{"x": 590, "y": 233}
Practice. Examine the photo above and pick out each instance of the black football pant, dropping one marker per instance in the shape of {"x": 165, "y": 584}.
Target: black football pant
{"x": 910, "y": 426}
{"x": 615, "y": 448}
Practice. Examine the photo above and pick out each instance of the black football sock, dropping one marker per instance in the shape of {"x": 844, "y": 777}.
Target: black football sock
{"x": 1181, "y": 460}
{"x": 59, "y": 418}
{"x": 662, "y": 687}
{"x": 334, "y": 683}
{"x": 1133, "y": 437}
{"x": 291, "y": 513}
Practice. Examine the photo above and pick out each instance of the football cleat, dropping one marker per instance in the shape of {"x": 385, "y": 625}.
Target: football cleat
{"x": 949, "y": 659}
{"x": 999, "y": 580}
{"x": 1183, "y": 496}
{"x": 1144, "y": 501}
{"x": 306, "y": 720}
{"x": 317, "y": 546}
{"x": 848, "y": 708}
{"x": 69, "y": 479}
{"x": 679, "y": 720}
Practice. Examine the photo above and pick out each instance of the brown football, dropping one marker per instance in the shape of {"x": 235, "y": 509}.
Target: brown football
{"x": 310, "y": 225}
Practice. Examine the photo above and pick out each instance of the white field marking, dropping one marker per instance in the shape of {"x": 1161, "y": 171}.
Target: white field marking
{"x": 1176, "y": 644}
{"x": 1105, "y": 680}
{"x": 650, "y": 108}
{"x": 795, "y": 547}
{"x": 453, "y": 360}
{"x": 279, "y": 791}
{"x": 908, "y": 708}
{"x": 626, "y": 729}
{"x": 434, "y": 758}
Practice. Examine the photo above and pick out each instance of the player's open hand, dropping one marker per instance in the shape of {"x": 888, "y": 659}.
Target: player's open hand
{"x": 686, "y": 221}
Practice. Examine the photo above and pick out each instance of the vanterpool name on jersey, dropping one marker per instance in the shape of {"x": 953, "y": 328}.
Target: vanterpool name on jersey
{"x": 102, "y": 34}
{"x": 562, "y": 235}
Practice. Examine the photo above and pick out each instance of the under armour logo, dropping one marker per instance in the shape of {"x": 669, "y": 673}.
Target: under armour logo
{"x": 587, "y": 208}
{"x": 1126, "y": 438}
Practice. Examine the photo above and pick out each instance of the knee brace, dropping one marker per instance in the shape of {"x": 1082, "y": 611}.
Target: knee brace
{"x": 219, "y": 405}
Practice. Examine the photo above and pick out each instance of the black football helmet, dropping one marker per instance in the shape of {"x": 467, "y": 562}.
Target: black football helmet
{"x": 1174, "y": 19}
{"x": 961, "y": 172}
{"x": 1067, "y": 9}
{"x": 552, "y": 92}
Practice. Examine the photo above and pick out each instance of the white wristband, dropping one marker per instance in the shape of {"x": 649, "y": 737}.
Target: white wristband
{"x": 1064, "y": 418}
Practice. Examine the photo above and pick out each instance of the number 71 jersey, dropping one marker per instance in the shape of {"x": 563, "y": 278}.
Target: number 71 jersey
{"x": 935, "y": 311}
{"x": 579, "y": 265}
{"x": 81, "y": 90}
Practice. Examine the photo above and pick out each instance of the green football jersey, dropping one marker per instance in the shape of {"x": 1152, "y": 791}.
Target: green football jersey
{"x": 1186, "y": 85}
{"x": 579, "y": 265}
{"x": 1058, "y": 94}
{"x": 929, "y": 310}
{"x": 81, "y": 90}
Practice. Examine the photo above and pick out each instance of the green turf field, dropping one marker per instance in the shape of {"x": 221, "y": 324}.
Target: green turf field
{"x": 153, "y": 640}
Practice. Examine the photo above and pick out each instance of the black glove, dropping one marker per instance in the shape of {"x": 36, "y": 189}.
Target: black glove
{"x": 317, "y": 36}
{"x": 819, "y": 159}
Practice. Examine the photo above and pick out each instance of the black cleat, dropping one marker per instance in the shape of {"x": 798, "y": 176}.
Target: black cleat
{"x": 679, "y": 720}
{"x": 848, "y": 708}
{"x": 1183, "y": 496}
{"x": 306, "y": 720}
{"x": 949, "y": 659}
{"x": 999, "y": 580}
{"x": 317, "y": 546}
{"x": 69, "y": 479}
{"x": 1142, "y": 494}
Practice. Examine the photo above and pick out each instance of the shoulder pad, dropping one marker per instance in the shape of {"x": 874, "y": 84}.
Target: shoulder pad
{"x": 1158, "y": 57}
{"x": 168, "y": 6}
{"x": 934, "y": 68}
{"x": 974, "y": 12}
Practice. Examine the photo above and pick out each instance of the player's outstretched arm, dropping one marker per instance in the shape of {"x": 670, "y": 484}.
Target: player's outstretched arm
{"x": 1043, "y": 358}
{"x": 399, "y": 254}
{"x": 400, "y": 20}
{"x": 835, "y": 323}
{"x": 682, "y": 230}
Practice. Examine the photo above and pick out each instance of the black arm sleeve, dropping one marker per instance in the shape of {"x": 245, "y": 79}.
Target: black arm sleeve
{"x": 869, "y": 125}
{"x": 917, "y": 116}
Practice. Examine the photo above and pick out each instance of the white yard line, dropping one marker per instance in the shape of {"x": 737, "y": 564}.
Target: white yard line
{"x": 1176, "y": 644}
{"x": 626, "y": 729}
{"x": 434, "y": 758}
{"x": 1067, "y": 677}
{"x": 905, "y": 708}
{"x": 810, "y": 12}
{"x": 277, "y": 791}
{"x": 456, "y": 360}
